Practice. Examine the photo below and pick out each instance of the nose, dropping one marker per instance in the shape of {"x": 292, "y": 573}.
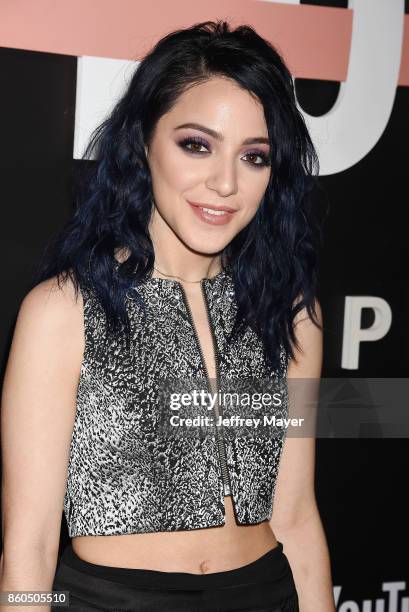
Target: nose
{"x": 223, "y": 177}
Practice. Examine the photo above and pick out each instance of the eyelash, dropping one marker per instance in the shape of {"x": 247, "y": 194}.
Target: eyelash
{"x": 197, "y": 140}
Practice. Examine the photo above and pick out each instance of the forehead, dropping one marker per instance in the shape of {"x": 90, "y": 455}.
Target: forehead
{"x": 221, "y": 104}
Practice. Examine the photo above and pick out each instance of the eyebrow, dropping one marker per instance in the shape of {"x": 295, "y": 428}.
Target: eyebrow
{"x": 218, "y": 136}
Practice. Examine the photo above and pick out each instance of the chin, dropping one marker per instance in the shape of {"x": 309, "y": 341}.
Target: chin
{"x": 207, "y": 245}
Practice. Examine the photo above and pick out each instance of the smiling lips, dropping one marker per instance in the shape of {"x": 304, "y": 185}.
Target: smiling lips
{"x": 215, "y": 215}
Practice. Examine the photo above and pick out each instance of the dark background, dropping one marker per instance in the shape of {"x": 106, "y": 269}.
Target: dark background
{"x": 359, "y": 482}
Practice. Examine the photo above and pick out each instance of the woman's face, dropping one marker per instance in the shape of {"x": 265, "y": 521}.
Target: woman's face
{"x": 221, "y": 161}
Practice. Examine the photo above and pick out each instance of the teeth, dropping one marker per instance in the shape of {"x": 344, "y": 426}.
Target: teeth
{"x": 215, "y": 212}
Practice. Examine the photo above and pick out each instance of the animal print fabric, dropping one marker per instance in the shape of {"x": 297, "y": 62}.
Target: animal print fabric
{"x": 125, "y": 478}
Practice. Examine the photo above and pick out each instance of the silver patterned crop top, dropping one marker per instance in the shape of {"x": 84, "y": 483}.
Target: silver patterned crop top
{"x": 125, "y": 476}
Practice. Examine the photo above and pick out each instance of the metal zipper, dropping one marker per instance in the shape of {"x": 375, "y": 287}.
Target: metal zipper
{"x": 220, "y": 440}
{"x": 70, "y": 510}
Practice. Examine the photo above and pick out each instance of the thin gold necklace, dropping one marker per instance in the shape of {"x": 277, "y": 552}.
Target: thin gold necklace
{"x": 174, "y": 276}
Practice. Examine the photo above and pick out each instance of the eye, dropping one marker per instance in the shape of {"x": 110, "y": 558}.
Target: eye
{"x": 195, "y": 142}
{"x": 265, "y": 160}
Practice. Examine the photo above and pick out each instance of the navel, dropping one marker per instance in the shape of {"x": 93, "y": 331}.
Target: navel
{"x": 204, "y": 567}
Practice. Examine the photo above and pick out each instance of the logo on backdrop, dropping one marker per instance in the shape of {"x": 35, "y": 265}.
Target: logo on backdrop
{"x": 344, "y": 135}
{"x": 394, "y": 600}
{"x": 363, "y": 46}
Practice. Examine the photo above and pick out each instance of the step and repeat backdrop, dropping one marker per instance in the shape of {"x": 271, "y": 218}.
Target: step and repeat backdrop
{"x": 63, "y": 65}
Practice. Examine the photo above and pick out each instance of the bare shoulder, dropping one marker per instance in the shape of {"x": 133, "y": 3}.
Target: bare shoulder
{"x": 308, "y": 357}
{"x": 52, "y": 307}
{"x": 49, "y": 328}
{"x": 52, "y": 298}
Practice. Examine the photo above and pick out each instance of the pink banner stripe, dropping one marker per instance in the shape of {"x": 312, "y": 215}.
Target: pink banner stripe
{"x": 314, "y": 40}
{"x": 404, "y": 65}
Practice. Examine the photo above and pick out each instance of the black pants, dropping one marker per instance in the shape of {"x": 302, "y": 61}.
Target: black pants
{"x": 265, "y": 585}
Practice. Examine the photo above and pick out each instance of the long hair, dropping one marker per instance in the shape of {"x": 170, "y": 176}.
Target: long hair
{"x": 273, "y": 260}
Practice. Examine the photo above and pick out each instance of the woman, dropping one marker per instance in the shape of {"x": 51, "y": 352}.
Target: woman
{"x": 193, "y": 252}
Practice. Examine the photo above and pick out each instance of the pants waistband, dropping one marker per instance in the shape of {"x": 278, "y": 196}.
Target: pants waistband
{"x": 273, "y": 565}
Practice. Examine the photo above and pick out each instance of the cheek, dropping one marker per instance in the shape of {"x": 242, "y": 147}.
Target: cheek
{"x": 253, "y": 188}
{"x": 173, "y": 173}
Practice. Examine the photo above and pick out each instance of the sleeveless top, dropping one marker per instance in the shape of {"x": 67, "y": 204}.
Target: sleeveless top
{"x": 124, "y": 474}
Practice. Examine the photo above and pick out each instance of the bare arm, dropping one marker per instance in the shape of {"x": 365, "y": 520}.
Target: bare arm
{"x": 295, "y": 520}
{"x": 37, "y": 417}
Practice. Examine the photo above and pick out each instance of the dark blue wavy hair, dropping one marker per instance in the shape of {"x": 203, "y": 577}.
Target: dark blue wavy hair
{"x": 273, "y": 260}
